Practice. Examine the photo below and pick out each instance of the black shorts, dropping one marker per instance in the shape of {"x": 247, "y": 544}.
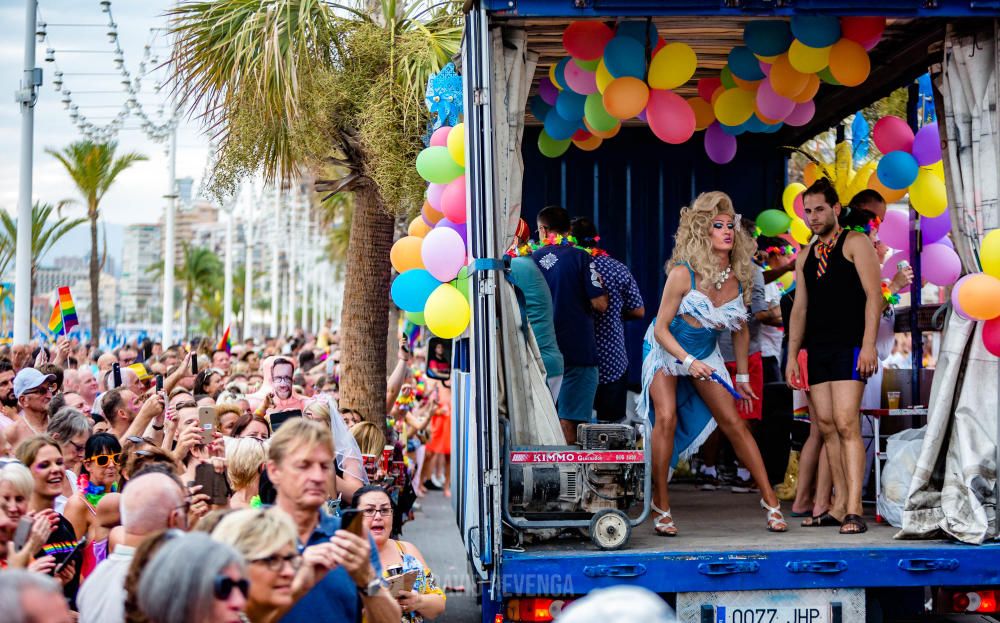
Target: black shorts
{"x": 832, "y": 363}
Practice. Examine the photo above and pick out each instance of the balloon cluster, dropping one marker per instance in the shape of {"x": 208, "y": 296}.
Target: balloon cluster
{"x": 433, "y": 282}
{"x": 911, "y": 163}
{"x": 977, "y": 296}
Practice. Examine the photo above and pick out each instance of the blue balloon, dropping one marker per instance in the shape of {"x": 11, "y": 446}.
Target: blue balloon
{"x": 744, "y": 65}
{"x": 569, "y": 105}
{"x": 411, "y": 289}
{"x": 816, "y": 31}
{"x": 733, "y": 130}
{"x": 624, "y": 56}
{"x": 771, "y": 129}
{"x": 755, "y": 125}
{"x": 560, "y": 74}
{"x": 767, "y": 37}
{"x": 636, "y": 29}
{"x": 897, "y": 170}
{"x": 559, "y": 127}
{"x": 539, "y": 108}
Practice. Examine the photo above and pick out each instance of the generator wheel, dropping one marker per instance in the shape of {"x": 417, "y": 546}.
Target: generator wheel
{"x": 610, "y": 529}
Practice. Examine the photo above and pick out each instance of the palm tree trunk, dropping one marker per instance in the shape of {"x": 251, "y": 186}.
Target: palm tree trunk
{"x": 187, "y": 311}
{"x": 95, "y": 281}
{"x": 365, "y": 309}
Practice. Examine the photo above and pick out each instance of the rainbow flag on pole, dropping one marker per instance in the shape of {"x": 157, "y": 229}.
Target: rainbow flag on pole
{"x": 225, "y": 343}
{"x": 63, "y": 317}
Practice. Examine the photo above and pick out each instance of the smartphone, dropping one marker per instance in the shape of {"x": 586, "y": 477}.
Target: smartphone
{"x": 350, "y": 520}
{"x": 206, "y": 422}
{"x": 280, "y": 417}
{"x": 69, "y": 557}
{"x": 194, "y": 363}
{"x": 159, "y": 383}
{"x": 23, "y": 532}
{"x": 213, "y": 484}
{"x": 402, "y": 582}
{"x": 116, "y": 372}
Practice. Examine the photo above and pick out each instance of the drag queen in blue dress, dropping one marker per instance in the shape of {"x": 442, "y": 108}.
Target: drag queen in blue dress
{"x": 684, "y": 377}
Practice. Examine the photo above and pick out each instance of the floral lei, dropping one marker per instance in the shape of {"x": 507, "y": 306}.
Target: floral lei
{"x": 866, "y": 229}
{"x": 558, "y": 240}
{"x": 91, "y": 492}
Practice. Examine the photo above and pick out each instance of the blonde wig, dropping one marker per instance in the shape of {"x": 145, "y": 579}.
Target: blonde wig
{"x": 693, "y": 242}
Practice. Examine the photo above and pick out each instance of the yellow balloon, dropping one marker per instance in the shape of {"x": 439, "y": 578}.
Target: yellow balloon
{"x": 989, "y": 255}
{"x": 418, "y": 227}
{"x": 552, "y": 76}
{"x": 447, "y": 312}
{"x": 603, "y": 77}
{"x": 405, "y": 253}
{"x": 938, "y": 169}
{"x": 672, "y": 66}
{"x": 800, "y": 231}
{"x": 734, "y": 106}
{"x": 456, "y": 144}
{"x": 808, "y": 60}
{"x": 928, "y": 194}
{"x": 792, "y": 191}
{"x": 767, "y": 59}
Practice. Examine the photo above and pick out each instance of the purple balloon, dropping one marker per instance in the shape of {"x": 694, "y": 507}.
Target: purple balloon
{"x": 934, "y": 229}
{"x": 895, "y": 230}
{"x": 940, "y": 264}
{"x": 889, "y": 269}
{"x": 927, "y": 145}
{"x": 443, "y": 253}
{"x": 954, "y": 298}
{"x": 802, "y": 114}
{"x": 720, "y": 146}
{"x": 548, "y": 91}
{"x": 434, "y": 192}
{"x": 459, "y": 227}
{"x": 580, "y": 80}
{"x": 642, "y": 116}
{"x": 772, "y": 105}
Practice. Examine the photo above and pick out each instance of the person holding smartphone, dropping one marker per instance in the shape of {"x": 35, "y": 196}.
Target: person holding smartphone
{"x": 100, "y": 476}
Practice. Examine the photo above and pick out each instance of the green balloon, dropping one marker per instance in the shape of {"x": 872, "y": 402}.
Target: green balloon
{"x": 463, "y": 284}
{"x": 726, "y": 77}
{"x": 435, "y": 165}
{"x": 827, "y": 76}
{"x": 588, "y": 65}
{"x": 550, "y": 147}
{"x": 596, "y": 115}
{"x": 773, "y": 222}
{"x": 416, "y": 318}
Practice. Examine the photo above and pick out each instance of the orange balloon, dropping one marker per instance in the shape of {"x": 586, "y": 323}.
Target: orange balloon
{"x": 613, "y": 132}
{"x": 718, "y": 92}
{"x": 810, "y": 174}
{"x": 590, "y": 143}
{"x": 889, "y": 194}
{"x": 418, "y": 227}
{"x": 703, "y": 113}
{"x": 405, "y": 254}
{"x": 785, "y": 79}
{"x": 849, "y": 63}
{"x": 626, "y": 97}
{"x": 978, "y": 296}
{"x": 747, "y": 85}
{"x": 766, "y": 119}
{"x": 431, "y": 214}
{"x": 809, "y": 92}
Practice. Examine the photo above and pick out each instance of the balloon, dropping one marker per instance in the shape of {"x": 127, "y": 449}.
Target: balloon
{"x": 849, "y": 63}
{"x": 558, "y": 126}
{"x": 746, "y": 85}
{"x": 955, "y": 305}
{"x": 788, "y": 196}
{"x": 462, "y": 228}
{"x": 726, "y": 77}
{"x": 447, "y": 312}
{"x": 989, "y": 253}
{"x": 927, "y": 145}
{"x": 892, "y": 134}
{"x": 453, "y": 201}
{"x": 771, "y": 104}
{"x": 569, "y": 105}
{"x": 670, "y": 117}
{"x": 978, "y": 296}
{"x": 719, "y": 146}
{"x": 817, "y": 31}
{"x": 430, "y": 215}
{"x": 456, "y": 144}
{"x": 890, "y": 195}
{"x": 580, "y": 80}
{"x": 602, "y": 77}
{"x": 624, "y": 56}
{"x": 773, "y": 222}
{"x": 810, "y": 90}
{"x": 548, "y": 91}
{"x": 940, "y": 265}
{"x": 786, "y": 281}
{"x": 589, "y": 144}
{"x": 800, "y": 231}
{"x": 767, "y": 37}
{"x": 550, "y": 147}
{"x": 641, "y": 32}
{"x": 443, "y": 253}
{"x": 558, "y": 74}
{"x": 539, "y": 108}
{"x": 935, "y": 228}
{"x": 810, "y": 173}
{"x": 802, "y": 114}
{"x": 744, "y": 65}
{"x": 440, "y": 136}
{"x": 590, "y": 66}
{"x": 785, "y": 79}
{"x": 703, "y": 113}
{"x": 895, "y": 230}
{"x": 928, "y": 194}
{"x": 604, "y": 134}
{"x": 434, "y": 192}
{"x": 672, "y": 66}
{"x": 897, "y": 170}
{"x": 418, "y": 227}
{"x": 938, "y": 169}
{"x": 552, "y": 77}
{"x": 806, "y": 59}
{"x": 585, "y": 40}
{"x": 827, "y": 77}
{"x": 734, "y": 107}
{"x": 416, "y": 318}
{"x": 626, "y": 97}
{"x": 434, "y": 164}
{"x": 410, "y": 289}
{"x": 405, "y": 253}
{"x": 991, "y": 336}
{"x": 733, "y": 130}
{"x": 865, "y": 30}
{"x": 707, "y": 88}
{"x": 462, "y": 283}
{"x": 597, "y": 118}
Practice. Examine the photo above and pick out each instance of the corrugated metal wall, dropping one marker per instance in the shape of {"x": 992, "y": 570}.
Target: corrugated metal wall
{"x": 633, "y": 187}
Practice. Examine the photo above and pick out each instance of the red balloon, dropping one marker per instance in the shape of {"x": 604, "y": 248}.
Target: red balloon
{"x": 892, "y": 134}
{"x": 707, "y": 87}
{"x": 991, "y": 336}
{"x": 864, "y": 30}
{"x": 670, "y": 117}
{"x": 586, "y": 40}
{"x": 581, "y": 135}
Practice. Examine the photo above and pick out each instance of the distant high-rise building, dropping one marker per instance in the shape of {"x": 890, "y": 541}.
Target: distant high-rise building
{"x": 139, "y": 289}
{"x": 184, "y": 187}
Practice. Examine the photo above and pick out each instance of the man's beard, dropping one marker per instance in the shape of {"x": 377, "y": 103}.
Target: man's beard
{"x": 8, "y": 401}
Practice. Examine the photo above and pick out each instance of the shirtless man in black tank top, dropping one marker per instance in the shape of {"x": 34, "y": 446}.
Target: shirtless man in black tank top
{"x": 835, "y": 318}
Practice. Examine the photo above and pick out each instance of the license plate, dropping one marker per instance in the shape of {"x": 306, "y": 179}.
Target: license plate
{"x": 843, "y": 605}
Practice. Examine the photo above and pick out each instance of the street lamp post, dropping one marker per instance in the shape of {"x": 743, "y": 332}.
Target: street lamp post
{"x": 248, "y": 268}
{"x": 169, "y": 241}
{"x": 275, "y": 272}
{"x": 227, "y": 285}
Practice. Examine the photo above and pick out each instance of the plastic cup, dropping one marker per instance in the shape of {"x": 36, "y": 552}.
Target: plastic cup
{"x": 893, "y": 399}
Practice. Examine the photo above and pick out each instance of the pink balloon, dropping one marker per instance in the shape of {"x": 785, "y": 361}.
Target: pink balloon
{"x": 889, "y": 269}
{"x": 548, "y": 91}
{"x": 443, "y": 253}
{"x": 991, "y": 336}
{"x": 440, "y": 136}
{"x": 892, "y": 134}
{"x": 940, "y": 264}
{"x": 434, "y": 192}
{"x": 719, "y": 146}
{"x": 580, "y": 80}
{"x": 765, "y": 67}
{"x": 895, "y": 230}
{"x": 772, "y": 105}
{"x": 802, "y": 114}
{"x": 670, "y": 117}
{"x": 954, "y": 298}
{"x": 799, "y": 207}
{"x": 453, "y": 200}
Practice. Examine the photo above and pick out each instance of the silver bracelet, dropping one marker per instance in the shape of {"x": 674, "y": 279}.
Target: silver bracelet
{"x": 742, "y": 378}
{"x": 687, "y": 362}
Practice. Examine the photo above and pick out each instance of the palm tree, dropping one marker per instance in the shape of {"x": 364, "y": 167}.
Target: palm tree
{"x": 44, "y": 234}
{"x": 94, "y": 168}
{"x": 337, "y": 90}
{"x": 199, "y": 273}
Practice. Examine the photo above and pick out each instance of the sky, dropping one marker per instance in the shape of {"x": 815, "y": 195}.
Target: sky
{"x": 137, "y": 196}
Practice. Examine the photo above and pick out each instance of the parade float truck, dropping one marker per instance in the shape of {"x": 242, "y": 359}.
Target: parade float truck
{"x": 543, "y": 523}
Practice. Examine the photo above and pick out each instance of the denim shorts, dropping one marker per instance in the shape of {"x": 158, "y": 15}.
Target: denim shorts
{"x": 576, "y": 396}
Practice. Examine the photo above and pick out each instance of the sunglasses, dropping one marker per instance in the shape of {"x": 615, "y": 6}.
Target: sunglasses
{"x": 224, "y": 586}
{"x": 102, "y": 460}
{"x": 135, "y": 439}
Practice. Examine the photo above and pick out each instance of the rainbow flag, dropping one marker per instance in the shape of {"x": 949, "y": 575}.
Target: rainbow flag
{"x": 55, "y": 321}
{"x": 225, "y": 343}
{"x": 63, "y": 317}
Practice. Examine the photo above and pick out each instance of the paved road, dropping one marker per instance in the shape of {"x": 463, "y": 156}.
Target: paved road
{"x": 435, "y": 534}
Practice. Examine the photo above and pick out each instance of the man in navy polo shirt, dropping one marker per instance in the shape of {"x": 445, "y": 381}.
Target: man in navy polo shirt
{"x": 300, "y": 463}
{"x": 577, "y": 292}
